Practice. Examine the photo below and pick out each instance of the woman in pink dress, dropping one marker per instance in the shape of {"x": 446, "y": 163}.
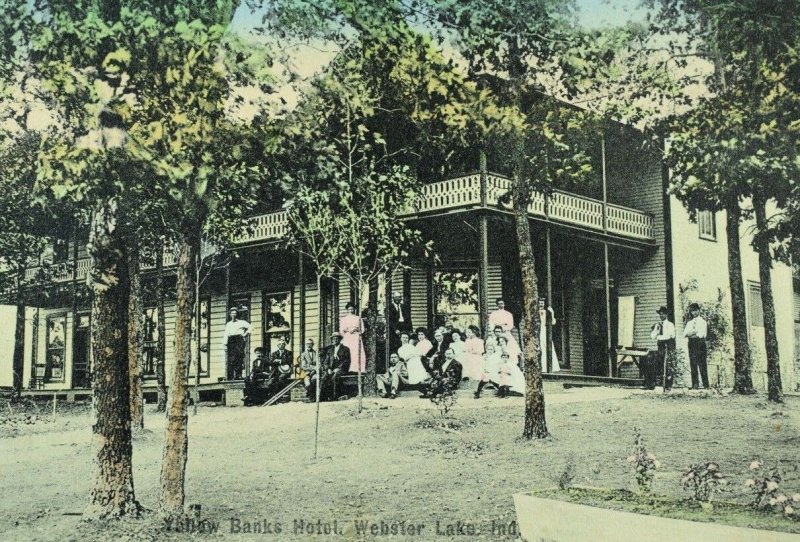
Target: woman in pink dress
{"x": 473, "y": 353}
{"x": 350, "y": 326}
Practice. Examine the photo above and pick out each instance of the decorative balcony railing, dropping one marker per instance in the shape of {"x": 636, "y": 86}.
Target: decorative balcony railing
{"x": 457, "y": 193}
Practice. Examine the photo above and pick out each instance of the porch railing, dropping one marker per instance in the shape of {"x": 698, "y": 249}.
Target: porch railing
{"x": 452, "y": 194}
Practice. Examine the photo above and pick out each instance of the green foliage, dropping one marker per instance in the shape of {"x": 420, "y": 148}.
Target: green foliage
{"x": 715, "y": 311}
{"x": 703, "y": 479}
{"x": 644, "y": 463}
{"x": 765, "y": 491}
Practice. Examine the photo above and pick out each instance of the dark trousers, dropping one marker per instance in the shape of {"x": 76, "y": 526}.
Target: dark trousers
{"x": 236, "y": 345}
{"x": 698, "y": 353}
{"x": 651, "y": 368}
{"x": 666, "y": 350}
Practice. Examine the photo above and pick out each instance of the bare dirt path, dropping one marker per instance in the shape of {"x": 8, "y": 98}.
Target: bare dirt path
{"x": 392, "y": 465}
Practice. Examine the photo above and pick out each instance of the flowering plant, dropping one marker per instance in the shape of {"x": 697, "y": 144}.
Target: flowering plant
{"x": 765, "y": 490}
{"x": 703, "y": 479}
{"x": 644, "y": 462}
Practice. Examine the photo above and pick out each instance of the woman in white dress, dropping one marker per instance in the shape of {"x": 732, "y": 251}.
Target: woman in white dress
{"x": 473, "y": 353}
{"x": 511, "y": 375}
{"x": 543, "y": 316}
{"x": 505, "y": 320}
{"x": 458, "y": 346}
{"x": 416, "y": 370}
{"x": 489, "y": 368}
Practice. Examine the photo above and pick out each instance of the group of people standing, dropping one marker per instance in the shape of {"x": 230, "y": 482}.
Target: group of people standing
{"x": 695, "y": 332}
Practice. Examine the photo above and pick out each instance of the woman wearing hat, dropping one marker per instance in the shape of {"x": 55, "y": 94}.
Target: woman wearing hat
{"x": 695, "y": 331}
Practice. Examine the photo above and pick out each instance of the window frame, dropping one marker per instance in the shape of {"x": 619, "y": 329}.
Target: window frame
{"x": 267, "y": 337}
{"x": 467, "y": 318}
{"x": 754, "y": 288}
{"x": 48, "y": 367}
{"x": 711, "y": 220}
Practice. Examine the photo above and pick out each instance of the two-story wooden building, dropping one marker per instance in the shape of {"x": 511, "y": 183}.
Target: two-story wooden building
{"x": 608, "y": 255}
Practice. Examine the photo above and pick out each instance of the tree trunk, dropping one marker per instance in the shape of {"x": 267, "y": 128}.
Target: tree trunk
{"x": 18, "y": 362}
{"x": 173, "y": 467}
{"x": 161, "y": 377}
{"x": 112, "y": 494}
{"x": 370, "y": 385}
{"x": 135, "y": 339}
{"x": 743, "y": 381}
{"x": 535, "y": 422}
{"x": 761, "y": 242}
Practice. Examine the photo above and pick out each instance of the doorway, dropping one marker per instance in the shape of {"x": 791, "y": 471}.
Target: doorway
{"x": 81, "y": 366}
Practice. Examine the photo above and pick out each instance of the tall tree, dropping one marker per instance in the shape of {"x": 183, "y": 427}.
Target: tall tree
{"x": 734, "y": 143}
{"x": 513, "y": 50}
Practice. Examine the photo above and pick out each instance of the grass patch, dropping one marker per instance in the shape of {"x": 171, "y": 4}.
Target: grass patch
{"x": 724, "y": 513}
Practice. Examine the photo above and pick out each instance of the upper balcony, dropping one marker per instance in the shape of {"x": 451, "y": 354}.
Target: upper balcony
{"x": 465, "y": 193}
{"x": 459, "y": 193}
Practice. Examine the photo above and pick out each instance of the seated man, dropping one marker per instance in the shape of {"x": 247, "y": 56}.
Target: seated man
{"x": 259, "y": 381}
{"x": 445, "y": 377}
{"x": 335, "y": 362}
{"x": 395, "y": 374}
{"x": 282, "y": 366}
{"x": 309, "y": 364}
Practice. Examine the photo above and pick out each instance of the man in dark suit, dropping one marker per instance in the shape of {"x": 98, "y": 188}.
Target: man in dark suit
{"x": 434, "y": 358}
{"x": 399, "y": 318}
{"x": 335, "y": 362}
{"x": 259, "y": 381}
{"x": 445, "y": 378}
{"x": 282, "y": 364}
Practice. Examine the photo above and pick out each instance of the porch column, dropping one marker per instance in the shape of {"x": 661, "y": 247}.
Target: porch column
{"x": 483, "y": 246}
{"x": 548, "y": 355}
{"x": 302, "y": 275}
{"x": 74, "y": 326}
{"x": 605, "y": 259}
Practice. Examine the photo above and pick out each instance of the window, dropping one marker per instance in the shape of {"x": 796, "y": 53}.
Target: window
{"x": 151, "y": 354}
{"x": 756, "y": 309}
{"x": 456, "y": 298}
{"x": 60, "y": 250}
{"x": 56, "y": 340}
{"x": 205, "y": 335}
{"x": 277, "y": 319}
{"x": 707, "y": 223}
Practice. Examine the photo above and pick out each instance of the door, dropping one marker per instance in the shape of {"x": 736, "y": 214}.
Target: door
{"x": 81, "y": 366}
{"x": 595, "y": 345}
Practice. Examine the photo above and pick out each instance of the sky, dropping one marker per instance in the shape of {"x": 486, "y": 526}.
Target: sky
{"x": 310, "y": 59}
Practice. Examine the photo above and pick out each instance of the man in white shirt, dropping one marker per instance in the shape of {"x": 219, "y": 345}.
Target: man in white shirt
{"x": 664, "y": 334}
{"x": 236, "y": 333}
{"x": 695, "y": 331}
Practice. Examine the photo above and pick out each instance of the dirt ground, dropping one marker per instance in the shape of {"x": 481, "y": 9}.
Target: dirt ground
{"x": 393, "y": 465}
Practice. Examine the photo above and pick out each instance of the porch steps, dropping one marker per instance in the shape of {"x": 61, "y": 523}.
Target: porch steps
{"x": 575, "y": 380}
{"x": 289, "y": 387}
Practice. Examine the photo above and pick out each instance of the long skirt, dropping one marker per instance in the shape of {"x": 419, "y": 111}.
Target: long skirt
{"x": 416, "y": 371}
{"x": 354, "y": 343}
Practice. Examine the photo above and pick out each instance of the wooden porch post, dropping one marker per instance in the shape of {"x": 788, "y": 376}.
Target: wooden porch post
{"x": 605, "y": 258}
{"x": 74, "y": 326}
{"x": 548, "y": 321}
{"x": 301, "y": 272}
{"x": 483, "y": 233}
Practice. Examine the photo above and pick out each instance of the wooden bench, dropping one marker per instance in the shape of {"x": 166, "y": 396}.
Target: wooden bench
{"x": 630, "y": 356}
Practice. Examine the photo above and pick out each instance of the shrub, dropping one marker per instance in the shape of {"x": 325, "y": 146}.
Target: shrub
{"x": 644, "y": 462}
{"x": 765, "y": 489}
{"x": 702, "y": 479}
{"x": 445, "y": 400}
